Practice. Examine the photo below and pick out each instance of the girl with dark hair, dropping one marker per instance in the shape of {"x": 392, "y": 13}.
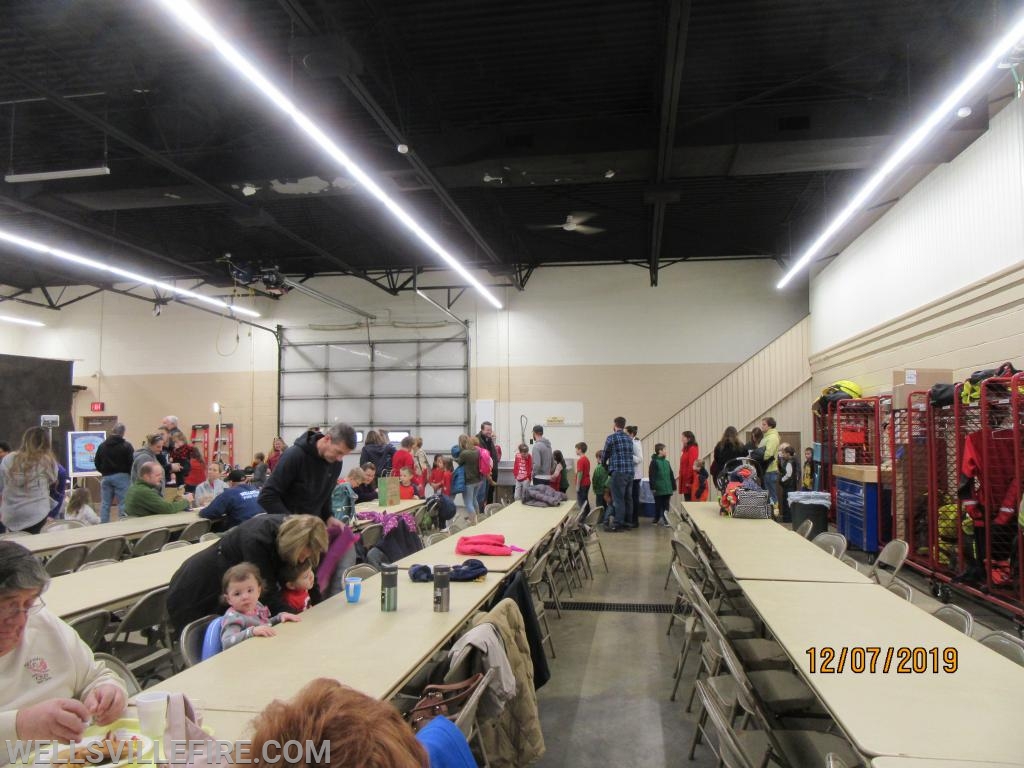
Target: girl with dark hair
{"x": 689, "y": 454}
{"x": 560, "y": 479}
{"x": 727, "y": 449}
{"x": 377, "y": 449}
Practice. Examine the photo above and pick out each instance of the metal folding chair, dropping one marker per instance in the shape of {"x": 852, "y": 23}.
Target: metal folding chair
{"x": 151, "y": 542}
{"x": 67, "y": 560}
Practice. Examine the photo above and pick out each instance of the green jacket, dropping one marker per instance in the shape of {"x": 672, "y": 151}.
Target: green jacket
{"x": 660, "y": 476}
{"x": 770, "y": 443}
{"x": 143, "y": 499}
{"x": 599, "y": 481}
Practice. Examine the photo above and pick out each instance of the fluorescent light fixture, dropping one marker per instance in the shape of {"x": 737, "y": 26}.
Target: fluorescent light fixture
{"x": 22, "y": 321}
{"x": 315, "y": 294}
{"x": 191, "y": 18}
{"x": 953, "y": 101}
{"x": 73, "y": 173}
{"x": 216, "y": 407}
{"x": 448, "y": 312}
{"x": 134, "y": 277}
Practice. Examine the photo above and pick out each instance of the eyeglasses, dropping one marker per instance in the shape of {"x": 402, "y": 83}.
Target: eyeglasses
{"x": 13, "y": 609}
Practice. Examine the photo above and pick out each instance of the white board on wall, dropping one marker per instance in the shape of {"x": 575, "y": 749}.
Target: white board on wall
{"x": 562, "y": 422}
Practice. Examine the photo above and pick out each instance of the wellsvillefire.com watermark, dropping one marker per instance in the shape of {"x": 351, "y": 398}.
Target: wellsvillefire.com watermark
{"x": 171, "y": 752}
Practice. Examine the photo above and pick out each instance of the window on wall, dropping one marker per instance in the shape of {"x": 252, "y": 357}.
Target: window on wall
{"x": 398, "y": 386}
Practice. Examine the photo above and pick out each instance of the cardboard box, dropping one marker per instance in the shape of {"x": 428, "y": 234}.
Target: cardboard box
{"x": 922, "y": 378}
{"x": 909, "y": 380}
{"x": 901, "y": 392}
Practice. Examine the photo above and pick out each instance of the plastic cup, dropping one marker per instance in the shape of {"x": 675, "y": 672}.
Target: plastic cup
{"x": 152, "y": 708}
{"x": 353, "y": 588}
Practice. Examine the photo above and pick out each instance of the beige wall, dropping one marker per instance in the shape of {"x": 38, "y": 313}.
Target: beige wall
{"x": 249, "y": 401}
{"x": 976, "y": 327}
{"x": 771, "y": 382}
{"x": 600, "y": 337}
{"x": 645, "y": 394}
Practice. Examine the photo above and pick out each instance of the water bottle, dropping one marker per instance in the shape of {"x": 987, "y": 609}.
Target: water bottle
{"x": 389, "y": 588}
{"x": 442, "y": 590}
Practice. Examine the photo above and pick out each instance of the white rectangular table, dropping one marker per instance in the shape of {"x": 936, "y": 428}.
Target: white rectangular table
{"x": 116, "y": 585}
{"x": 522, "y": 526}
{"x": 763, "y": 549}
{"x": 357, "y": 644}
{"x": 406, "y": 505}
{"x": 971, "y": 714}
{"x": 130, "y": 528}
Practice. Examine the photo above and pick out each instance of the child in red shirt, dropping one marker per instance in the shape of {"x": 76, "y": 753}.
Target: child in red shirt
{"x": 582, "y": 476}
{"x": 441, "y": 476}
{"x": 403, "y": 457}
{"x": 406, "y": 488}
{"x": 522, "y": 469}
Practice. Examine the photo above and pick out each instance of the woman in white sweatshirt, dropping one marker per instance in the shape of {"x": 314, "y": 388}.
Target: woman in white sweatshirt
{"x": 52, "y": 685}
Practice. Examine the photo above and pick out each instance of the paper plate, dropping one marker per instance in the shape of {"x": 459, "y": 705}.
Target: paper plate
{"x": 134, "y": 747}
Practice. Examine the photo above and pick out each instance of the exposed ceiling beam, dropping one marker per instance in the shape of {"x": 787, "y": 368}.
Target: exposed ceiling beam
{"x": 25, "y": 207}
{"x": 257, "y": 215}
{"x": 672, "y": 75}
{"x": 355, "y": 84}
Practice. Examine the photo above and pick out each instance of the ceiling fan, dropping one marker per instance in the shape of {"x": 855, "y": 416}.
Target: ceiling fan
{"x": 574, "y": 222}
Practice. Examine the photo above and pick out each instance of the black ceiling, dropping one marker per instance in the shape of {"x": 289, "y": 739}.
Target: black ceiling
{"x": 693, "y": 130}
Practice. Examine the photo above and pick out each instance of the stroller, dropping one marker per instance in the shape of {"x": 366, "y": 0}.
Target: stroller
{"x": 743, "y": 468}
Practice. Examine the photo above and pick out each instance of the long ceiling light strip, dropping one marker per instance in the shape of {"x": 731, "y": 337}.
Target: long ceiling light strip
{"x": 953, "y": 101}
{"x": 22, "y": 321}
{"x": 74, "y": 258}
{"x": 191, "y": 18}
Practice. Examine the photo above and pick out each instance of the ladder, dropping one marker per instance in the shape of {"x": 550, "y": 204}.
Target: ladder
{"x": 201, "y": 439}
{"x": 225, "y": 443}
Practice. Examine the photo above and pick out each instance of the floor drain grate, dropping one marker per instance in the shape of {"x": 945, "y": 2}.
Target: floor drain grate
{"x": 568, "y": 605}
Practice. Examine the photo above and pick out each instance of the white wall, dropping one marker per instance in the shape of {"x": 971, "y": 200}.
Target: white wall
{"x": 710, "y": 312}
{"x": 961, "y": 223}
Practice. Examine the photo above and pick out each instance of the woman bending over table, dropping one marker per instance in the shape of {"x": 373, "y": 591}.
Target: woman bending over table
{"x": 275, "y": 544}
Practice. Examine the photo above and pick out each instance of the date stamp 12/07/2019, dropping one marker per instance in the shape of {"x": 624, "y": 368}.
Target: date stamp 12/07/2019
{"x": 871, "y": 660}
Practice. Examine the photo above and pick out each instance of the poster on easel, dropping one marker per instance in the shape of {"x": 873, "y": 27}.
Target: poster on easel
{"x": 82, "y": 453}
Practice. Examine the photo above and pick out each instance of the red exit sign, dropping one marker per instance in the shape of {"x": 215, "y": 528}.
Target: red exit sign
{"x": 97, "y": 407}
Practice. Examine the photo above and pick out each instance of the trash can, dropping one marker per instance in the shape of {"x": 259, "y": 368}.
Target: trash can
{"x": 646, "y": 500}
{"x": 810, "y": 505}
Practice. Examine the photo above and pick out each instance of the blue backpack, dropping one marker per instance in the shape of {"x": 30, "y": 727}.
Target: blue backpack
{"x": 458, "y": 480}
{"x": 458, "y": 475}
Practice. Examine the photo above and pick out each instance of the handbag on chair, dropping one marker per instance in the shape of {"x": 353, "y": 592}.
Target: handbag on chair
{"x": 442, "y": 700}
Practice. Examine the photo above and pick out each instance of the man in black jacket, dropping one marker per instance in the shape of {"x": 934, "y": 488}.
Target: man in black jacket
{"x": 486, "y": 438}
{"x": 114, "y": 462}
{"x": 305, "y": 477}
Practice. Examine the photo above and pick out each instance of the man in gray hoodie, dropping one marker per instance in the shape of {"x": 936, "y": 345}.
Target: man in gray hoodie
{"x": 543, "y": 462}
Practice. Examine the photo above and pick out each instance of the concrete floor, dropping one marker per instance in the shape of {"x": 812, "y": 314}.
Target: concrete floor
{"x": 607, "y": 703}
